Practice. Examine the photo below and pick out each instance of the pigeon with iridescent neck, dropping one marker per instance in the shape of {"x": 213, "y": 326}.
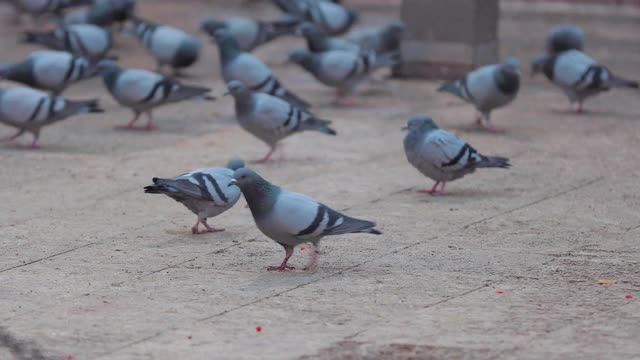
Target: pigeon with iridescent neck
{"x": 291, "y": 219}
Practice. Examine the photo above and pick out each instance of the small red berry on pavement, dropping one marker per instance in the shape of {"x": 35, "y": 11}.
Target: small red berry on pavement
{"x": 628, "y": 296}
{"x": 258, "y": 328}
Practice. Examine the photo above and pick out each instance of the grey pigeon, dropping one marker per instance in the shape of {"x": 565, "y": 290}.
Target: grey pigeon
{"x": 242, "y": 66}
{"x": 270, "y": 118}
{"x": 442, "y": 156}
{"x": 342, "y": 70}
{"x": 385, "y": 39}
{"x": 142, "y": 90}
{"x": 50, "y": 70}
{"x": 318, "y": 41}
{"x": 565, "y": 37}
{"x": 86, "y": 40}
{"x": 206, "y": 192}
{"x": 332, "y": 18}
{"x": 30, "y": 110}
{"x": 52, "y": 7}
{"x": 168, "y": 45}
{"x": 578, "y": 75}
{"x": 291, "y": 218}
{"x": 487, "y": 88}
{"x": 250, "y": 33}
{"x": 103, "y": 13}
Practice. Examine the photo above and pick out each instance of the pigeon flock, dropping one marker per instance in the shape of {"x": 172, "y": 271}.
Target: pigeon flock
{"x": 79, "y": 48}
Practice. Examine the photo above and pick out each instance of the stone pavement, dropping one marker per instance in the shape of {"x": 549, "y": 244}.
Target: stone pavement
{"x": 503, "y": 267}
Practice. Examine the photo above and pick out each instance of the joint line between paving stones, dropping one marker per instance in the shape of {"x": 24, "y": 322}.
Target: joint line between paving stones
{"x": 395, "y": 251}
{"x": 49, "y": 257}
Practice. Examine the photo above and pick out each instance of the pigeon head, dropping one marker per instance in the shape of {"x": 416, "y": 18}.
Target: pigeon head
{"x": 227, "y": 45}
{"x": 236, "y": 88}
{"x": 209, "y": 25}
{"x": 260, "y": 194}
{"x": 105, "y": 66}
{"x": 235, "y": 164}
{"x": 420, "y": 123}
{"x": 300, "y": 56}
{"x": 538, "y": 63}
{"x": 512, "y": 63}
{"x": 310, "y": 30}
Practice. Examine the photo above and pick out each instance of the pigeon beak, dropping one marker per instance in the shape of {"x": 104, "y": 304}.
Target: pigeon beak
{"x": 405, "y": 128}
{"x": 233, "y": 182}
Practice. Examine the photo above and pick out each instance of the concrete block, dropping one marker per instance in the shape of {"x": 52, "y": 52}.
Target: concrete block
{"x": 445, "y": 39}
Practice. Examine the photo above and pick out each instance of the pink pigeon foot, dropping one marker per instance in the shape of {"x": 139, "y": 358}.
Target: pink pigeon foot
{"x": 210, "y": 228}
{"x": 264, "y": 159}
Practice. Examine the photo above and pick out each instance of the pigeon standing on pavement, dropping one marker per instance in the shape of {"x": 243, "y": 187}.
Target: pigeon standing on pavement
{"x": 250, "y": 33}
{"x": 270, "y": 118}
{"x": 382, "y": 40}
{"x": 168, "y": 45}
{"x": 442, "y": 156}
{"x": 331, "y": 17}
{"x": 30, "y": 110}
{"x": 291, "y": 219}
{"x": 142, "y": 90}
{"x": 578, "y": 75}
{"x": 206, "y": 192}
{"x": 487, "y": 88}
{"x": 248, "y": 69}
{"x": 50, "y": 70}
{"x": 342, "y": 70}
{"x": 86, "y": 40}
{"x": 565, "y": 37}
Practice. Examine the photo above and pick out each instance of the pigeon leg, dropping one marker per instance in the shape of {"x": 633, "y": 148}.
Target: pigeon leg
{"x": 34, "y": 143}
{"x": 345, "y": 98}
{"x": 266, "y": 157}
{"x": 209, "y": 228}
{"x": 133, "y": 121}
{"x": 313, "y": 264}
{"x": 579, "y": 108}
{"x": 13, "y": 137}
{"x": 149, "y": 126}
{"x": 283, "y": 267}
{"x": 433, "y": 189}
{"x": 441, "y": 192}
{"x": 194, "y": 228}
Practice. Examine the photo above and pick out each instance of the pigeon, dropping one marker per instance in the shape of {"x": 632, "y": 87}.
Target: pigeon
{"x": 50, "y": 70}
{"x": 341, "y": 69}
{"x": 30, "y": 110}
{"x": 142, "y": 90}
{"x": 578, "y": 75}
{"x": 206, "y": 192}
{"x": 565, "y": 37}
{"x": 331, "y": 17}
{"x": 382, "y": 40}
{"x": 442, "y": 156}
{"x": 53, "y": 7}
{"x": 240, "y": 65}
{"x": 90, "y": 41}
{"x": 103, "y": 13}
{"x": 318, "y": 41}
{"x": 291, "y": 218}
{"x": 487, "y": 88}
{"x": 168, "y": 45}
{"x": 250, "y": 33}
{"x": 270, "y": 118}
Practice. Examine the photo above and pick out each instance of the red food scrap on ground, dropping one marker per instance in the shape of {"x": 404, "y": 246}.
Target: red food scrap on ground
{"x": 303, "y": 248}
{"x": 499, "y": 292}
{"x": 69, "y": 357}
{"x": 628, "y": 296}
{"x": 258, "y": 328}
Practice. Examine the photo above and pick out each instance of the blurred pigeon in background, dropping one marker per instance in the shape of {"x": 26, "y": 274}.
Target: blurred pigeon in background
{"x": 487, "y": 88}
{"x": 103, "y": 13}
{"x": 142, "y": 90}
{"x": 291, "y": 219}
{"x": 250, "y": 33}
{"x": 385, "y": 39}
{"x": 206, "y": 192}
{"x": 331, "y": 17}
{"x": 50, "y": 70}
{"x": 318, "y": 41}
{"x": 564, "y": 37}
{"x": 168, "y": 45}
{"x": 46, "y": 7}
{"x": 442, "y": 156}
{"x": 578, "y": 75}
{"x": 30, "y": 110}
{"x": 270, "y": 118}
{"x": 248, "y": 69}
{"x": 86, "y": 40}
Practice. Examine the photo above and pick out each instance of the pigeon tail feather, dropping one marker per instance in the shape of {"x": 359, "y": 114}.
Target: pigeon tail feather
{"x": 494, "y": 162}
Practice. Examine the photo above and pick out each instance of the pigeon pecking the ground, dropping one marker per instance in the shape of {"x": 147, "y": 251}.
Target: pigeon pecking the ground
{"x": 168, "y": 46}
{"x": 487, "y": 88}
{"x": 50, "y": 70}
{"x": 248, "y": 69}
{"x": 142, "y": 90}
{"x": 342, "y": 70}
{"x": 442, "y": 156}
{"x": 578, "y": 75}
{"x": 30, "y": 110}
{"x": 270, "y": 118}
{"x": 206, "y": 192}
{"x": 564, "y": 37}
{"x": 250, "y": 33}
{"x": 291, "y": 218}
{"x": 86, "y": 40}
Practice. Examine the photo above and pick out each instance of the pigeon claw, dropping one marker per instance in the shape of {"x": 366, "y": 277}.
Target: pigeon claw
{"x": 280, "y": 268}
